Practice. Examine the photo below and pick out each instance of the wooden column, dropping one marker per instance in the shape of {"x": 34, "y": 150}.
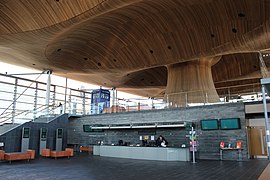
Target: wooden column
{"x": 191, "y": 82}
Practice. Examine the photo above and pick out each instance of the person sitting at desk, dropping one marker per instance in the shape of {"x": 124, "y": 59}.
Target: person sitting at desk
{"x": 161, "y": 141}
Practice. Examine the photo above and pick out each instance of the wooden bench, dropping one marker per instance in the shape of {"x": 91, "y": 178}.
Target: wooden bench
{"x": 55, "y": 154}
{"x": 86, "y": 149}
{"x": 29, "y": 154}
{"x": 2, "y": 155}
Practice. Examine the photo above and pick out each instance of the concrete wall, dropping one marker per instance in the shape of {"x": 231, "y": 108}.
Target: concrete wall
{"x": 208, "y": 140}
{"x": 12, "y": 139}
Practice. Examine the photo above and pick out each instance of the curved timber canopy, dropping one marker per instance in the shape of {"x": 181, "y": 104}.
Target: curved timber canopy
{"x": 153, "y": 48}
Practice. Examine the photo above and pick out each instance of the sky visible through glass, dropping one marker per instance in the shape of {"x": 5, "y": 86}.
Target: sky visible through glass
{"x": 61, "y": 81}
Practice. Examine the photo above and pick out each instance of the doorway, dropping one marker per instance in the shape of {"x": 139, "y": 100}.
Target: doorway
{"x": 257, "y": 142}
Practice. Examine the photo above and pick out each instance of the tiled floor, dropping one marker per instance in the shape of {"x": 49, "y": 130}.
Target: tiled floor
{"x": 83, "y": 166}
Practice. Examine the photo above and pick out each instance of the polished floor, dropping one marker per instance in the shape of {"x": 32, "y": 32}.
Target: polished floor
{"x": 83, "y": 166}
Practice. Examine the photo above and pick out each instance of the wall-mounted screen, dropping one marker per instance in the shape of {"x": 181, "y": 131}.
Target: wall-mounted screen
{"x": 43, "y": 133}
{"x": 88, "y": 128}
{"x": 26, "y": 132}
{"x": 59, "y": 133}
{"x": 230, "y": 123}
{"x": 209, "y": 124}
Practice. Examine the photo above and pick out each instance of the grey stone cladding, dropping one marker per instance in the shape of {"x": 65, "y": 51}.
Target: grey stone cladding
{"x": 12, "y": 139}
{"x": 208, "y": 140}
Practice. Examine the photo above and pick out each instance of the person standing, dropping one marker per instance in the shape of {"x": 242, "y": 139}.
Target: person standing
{"x": 60, "y": 106}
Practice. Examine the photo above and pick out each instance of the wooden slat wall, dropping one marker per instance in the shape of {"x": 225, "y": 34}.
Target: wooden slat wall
{"x": 100, "y": 42}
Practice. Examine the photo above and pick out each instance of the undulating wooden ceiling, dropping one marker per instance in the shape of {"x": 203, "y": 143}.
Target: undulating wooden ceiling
{"x": 138, "y": 46}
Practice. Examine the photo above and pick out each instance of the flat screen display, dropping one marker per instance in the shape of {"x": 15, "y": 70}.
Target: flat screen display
{"x": 88, "y": 128}
{"x": 59, "y": 133}
{"x": 26, "y": 132}
{"x": 209, "y": 124}
{"x": 230, "y": 123}
{"x": 43, "y": 133}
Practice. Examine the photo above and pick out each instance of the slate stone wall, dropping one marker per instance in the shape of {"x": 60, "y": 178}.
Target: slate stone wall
{"x": 12, "y": 139}
{"x": 208, "y": 140}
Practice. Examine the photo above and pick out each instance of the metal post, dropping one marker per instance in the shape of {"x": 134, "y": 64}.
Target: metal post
{"x": 113, "y": 100}
{"x": 127, "y": 105}
{"x": 53, "y": 96}
{"x": 14, "y": 100}
{"x": 193, "y": 145}
{"x": 48, "y": 91}
{"x": 65, "y": 105}
{"x": 266, "y": 121}
{"x": 35, "y": 102}
{"x": 116, "y": 97}
{"x": 83, "y": 101}
{"x": 69, "y": 101}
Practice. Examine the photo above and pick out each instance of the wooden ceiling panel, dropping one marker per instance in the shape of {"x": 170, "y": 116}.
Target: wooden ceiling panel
{"x": 32, "y": 15}
{"x": 231, "y": 67}
{"x": 101, "y": 42}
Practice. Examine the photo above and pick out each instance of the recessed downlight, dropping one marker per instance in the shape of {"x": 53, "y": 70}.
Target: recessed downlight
{"x": 241, "y": 14}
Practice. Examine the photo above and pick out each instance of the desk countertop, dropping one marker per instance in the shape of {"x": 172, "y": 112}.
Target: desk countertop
{"x": 231, "y": 148}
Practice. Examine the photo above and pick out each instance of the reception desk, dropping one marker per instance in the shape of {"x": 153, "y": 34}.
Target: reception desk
{"x": 146, "y": 153}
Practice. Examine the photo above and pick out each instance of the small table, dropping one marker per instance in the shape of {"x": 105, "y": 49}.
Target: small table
{"x": 230, "y": 149}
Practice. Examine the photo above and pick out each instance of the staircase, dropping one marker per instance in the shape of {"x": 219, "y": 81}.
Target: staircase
{"x": 46, "y": 119}
{"x": 8, "y": 127}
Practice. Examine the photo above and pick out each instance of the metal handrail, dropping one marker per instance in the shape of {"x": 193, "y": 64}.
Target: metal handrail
{"x": 76, "y": 103}
{"x": 42, "y": 108}
{"x": 20, "y": 95}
